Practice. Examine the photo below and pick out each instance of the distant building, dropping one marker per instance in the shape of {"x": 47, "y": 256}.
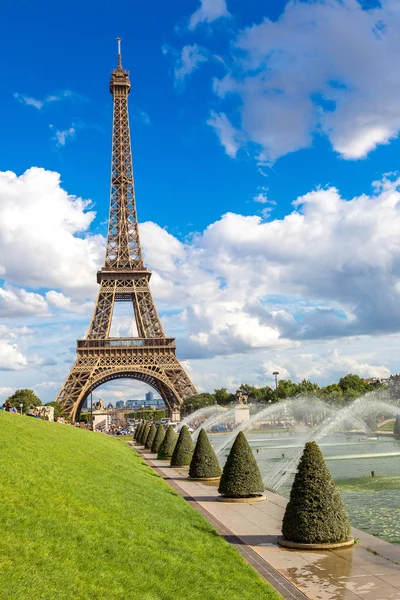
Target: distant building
{"x": 131, "y": 403}
{"x": 109, "y": 406}
{"x": 149, "y": 397}
{"x": 120, "y": 404}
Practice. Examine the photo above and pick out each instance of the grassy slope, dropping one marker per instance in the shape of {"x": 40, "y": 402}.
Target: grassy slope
{"x": 83, "y": 517}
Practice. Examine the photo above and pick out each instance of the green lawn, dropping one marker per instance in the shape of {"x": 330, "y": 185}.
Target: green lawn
{"x": 83, "y": 517}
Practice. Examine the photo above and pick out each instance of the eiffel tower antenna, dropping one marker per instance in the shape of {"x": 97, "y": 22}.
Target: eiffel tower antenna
{"x": 119, "y": 40}
{"x": 150, "y": 357}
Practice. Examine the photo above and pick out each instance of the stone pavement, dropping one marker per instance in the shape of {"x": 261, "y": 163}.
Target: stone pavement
{"x": 370, "y": 570}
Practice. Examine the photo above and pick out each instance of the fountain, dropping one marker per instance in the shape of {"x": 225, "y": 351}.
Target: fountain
{"x": 354, "y": 413}
{"x": 205, "y": 412}
{"x": 214, "y": 420}
{"x": 350, "y": 445}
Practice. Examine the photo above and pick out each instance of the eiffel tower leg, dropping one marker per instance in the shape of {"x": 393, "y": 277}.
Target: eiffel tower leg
{"x": 102, "y": 315}
{"x": 76, "y": 388}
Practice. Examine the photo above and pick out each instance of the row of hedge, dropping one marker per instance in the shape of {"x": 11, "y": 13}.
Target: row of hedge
{"x": 315, "y": 512}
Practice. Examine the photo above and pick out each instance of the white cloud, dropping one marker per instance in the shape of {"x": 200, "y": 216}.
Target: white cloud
{"x": 191, "y": 57}
{"x": 261, "y": 198}
{"x": 5, "y": 392}
{"x": 61, "y": 136}
{"x": 51, "y": 98}
{"x": 47, "y": 384}
{"x": 208, "y": 11}
{"x": 305, "y": 289}
{"x": 325, "y": 67}
{"x": 62, "y": 302}
{"x": 227, "y": 134}
{"x": 44, "y": 238}
{"x": 17, "y": 302}
{"x": 326, "y": 366}
{"x": 11, "y": 359}
{"x": 330, "y": 269}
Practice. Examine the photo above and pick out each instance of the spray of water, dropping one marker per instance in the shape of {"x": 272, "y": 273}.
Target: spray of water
{"x": 205, "y": 412}
{"x": 214, "y": 421}
{"x": 355, "y": 414}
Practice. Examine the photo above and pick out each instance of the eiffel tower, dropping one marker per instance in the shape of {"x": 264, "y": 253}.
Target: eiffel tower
{"x": 150, "y": 357}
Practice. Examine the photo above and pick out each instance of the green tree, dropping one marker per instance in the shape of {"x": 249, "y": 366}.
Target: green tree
{"x": 332, "y": 393}
{"x": 183, "y": 451}
{"x": 25, "y": 397}
{"x": 307, "y": 388}
{"x": 158, "y": 440}
{"x": 353, "y": 386}
{"x": 241, "y": 477}
{"x": 286, "y": 389}
{"x": 204, "y": 463}
{"x": 84, "y": 418}
{"x": 223, "y": 397}
{"x": 151, "y": 436}
{"x": 168, "y": 445}
{"x": 315, "y": 513}
{"x": 192, "y": 403}
{"x": 267, "y": 395}
{"x": 396, "y": 428}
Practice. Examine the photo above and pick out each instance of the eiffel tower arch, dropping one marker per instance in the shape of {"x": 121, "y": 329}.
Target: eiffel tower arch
{"x": 150, "y": 357}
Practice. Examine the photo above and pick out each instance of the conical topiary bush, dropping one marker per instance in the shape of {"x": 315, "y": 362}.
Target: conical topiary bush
{"x": 145, "y": 433}
{"x": 204, "y": 463}
{"x": 396, "y": 428}
{"x": 315, "y": 513}
{"x": 183, "y": 450}
{"x": 138, "y": 431}
{"x": 151, "y": 436}
{"x": 167, "y": 447}
{"x": 241, "y": 477}
{"x": 139, "y": 439}
{"x": 158, "y": 440}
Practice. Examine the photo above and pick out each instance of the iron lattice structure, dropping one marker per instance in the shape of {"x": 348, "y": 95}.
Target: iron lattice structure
{"x": 151, "y": 356}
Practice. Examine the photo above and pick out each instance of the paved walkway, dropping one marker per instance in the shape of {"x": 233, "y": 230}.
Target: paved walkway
{"x": 370, "y": 570}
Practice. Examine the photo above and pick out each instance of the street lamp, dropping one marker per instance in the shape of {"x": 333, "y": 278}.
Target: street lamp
{"x": 21, "y": 407}
{"x": 275, "y": 374}
{"x": 91, "y": 405}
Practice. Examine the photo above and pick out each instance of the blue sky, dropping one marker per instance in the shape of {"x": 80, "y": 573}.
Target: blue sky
{"x": 237, "y": 111}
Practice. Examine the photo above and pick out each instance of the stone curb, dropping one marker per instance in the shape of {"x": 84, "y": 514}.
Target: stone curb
{"x": 242, "y": 500}
{"x": 298, "y": 546}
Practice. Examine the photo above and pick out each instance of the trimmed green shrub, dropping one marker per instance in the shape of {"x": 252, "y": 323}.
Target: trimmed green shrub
{"x": 145, "y": 433}
{"x": 151, "y": 436}
{"x": 183, "y": 451}
{"x": 158, "y": 440}
{"x": 204, "y": 463}
{"x": 315, "y": 513}
{"x": 396, "y": 428}
{"x": 241, "y": 477}
{"x": 138, "y": 431}
{"x": 168, "y": 445}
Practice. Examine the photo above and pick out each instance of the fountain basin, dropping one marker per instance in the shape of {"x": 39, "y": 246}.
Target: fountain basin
{"x": 299, "y": 546}
{"x": 242, "y": 500}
